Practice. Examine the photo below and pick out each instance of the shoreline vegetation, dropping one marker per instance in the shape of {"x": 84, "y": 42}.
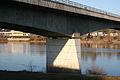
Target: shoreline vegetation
{"x": 25, "y": 75}
{"x": 100, "y": 41}
{"x": 106, "y": 36}
{"x": 42, "y": 40}
{"x": 89, "y": 41}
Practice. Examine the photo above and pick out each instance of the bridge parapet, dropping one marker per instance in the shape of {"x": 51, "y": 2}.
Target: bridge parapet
{"x": 75, "y": 4}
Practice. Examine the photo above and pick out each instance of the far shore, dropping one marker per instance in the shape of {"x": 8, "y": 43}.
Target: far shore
{"x": 24, "y": 41}
{"x": 100, "y": 41}
{"x": 21, "y": 40}
{"x": 89, "y": 41}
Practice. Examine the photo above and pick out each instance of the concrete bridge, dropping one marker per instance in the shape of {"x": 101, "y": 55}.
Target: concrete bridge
{"x": 56, "y": 18}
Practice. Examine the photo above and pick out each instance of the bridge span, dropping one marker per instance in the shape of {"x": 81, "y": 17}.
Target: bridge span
{"x": 56, "y": 18}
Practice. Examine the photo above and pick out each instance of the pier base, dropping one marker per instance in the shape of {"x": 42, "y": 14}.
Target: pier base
{"x": 63, "y": 55}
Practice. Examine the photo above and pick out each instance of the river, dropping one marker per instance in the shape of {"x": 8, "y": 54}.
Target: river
{"x": 20, "y": 56}
{"x": 105, "y": 57}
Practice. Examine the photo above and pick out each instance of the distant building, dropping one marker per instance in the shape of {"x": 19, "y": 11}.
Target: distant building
{"x": 111, "y": 33}
{"x": 97, "y": 33}
{"x": 114, "y": 34}
{"x": 13, "y": 33}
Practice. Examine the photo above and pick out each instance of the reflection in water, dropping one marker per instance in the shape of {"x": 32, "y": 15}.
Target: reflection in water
{"x": 96, "y": 70}
{"x": 105, "y": 56}
{"x": 15, "y": 56}
{"x": 108, "y": 46}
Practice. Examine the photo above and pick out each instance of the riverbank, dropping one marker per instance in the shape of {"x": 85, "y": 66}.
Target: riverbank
{"x": 101, "y": 41}
{"x": 89, "y": 41}
{"x": 9, "y": 75}
{"x": 22, "y": 40}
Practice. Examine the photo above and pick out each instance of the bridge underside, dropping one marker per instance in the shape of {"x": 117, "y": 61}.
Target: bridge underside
{"x": 52, "y": 23}
{"x": 49, "y": 22}
{"x": 31, "y": 30}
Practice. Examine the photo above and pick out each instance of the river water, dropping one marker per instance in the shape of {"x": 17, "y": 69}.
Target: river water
{"x": 105, "y": 57}
{"x": 17, "y": 56}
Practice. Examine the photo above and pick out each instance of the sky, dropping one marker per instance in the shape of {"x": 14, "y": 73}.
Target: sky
{"x": 112, "y": 6}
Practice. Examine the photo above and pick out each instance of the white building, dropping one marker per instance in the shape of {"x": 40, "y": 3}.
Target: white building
{"x": 14, "y": 33}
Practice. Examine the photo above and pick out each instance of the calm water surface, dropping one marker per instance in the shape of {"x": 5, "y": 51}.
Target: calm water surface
{"x": 102, "y": 56}
{"x": 22, "y": 56}
{"x": 16, "y": 56}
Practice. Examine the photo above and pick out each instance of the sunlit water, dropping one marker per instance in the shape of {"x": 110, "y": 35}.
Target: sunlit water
{"x": 103, "y": 56}
{"x": 22, "y": 56}
{"x": 17, "y": 56}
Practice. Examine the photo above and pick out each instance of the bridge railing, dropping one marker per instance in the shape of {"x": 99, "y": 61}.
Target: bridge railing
{"x": 78, "y": 5}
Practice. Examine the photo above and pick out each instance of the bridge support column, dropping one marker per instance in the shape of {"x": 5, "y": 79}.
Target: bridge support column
{"x": 63, "y": 55}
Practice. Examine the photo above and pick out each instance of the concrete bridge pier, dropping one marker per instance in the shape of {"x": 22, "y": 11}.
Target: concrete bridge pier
{"x": 63, "y": 55}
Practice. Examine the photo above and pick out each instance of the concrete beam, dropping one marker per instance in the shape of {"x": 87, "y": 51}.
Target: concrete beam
{"x": 47, "y": 21}
{"x": 68, "y": 8}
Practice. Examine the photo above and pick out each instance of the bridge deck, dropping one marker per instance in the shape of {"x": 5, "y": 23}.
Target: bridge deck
{"x": 73, "y": 7}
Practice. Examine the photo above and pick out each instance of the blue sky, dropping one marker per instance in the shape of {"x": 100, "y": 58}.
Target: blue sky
{"x": 112, "y": 6}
